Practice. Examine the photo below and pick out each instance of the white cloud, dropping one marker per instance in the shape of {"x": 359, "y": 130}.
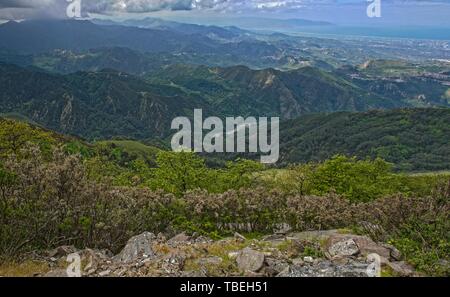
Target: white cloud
{"x": 19, "y": 9}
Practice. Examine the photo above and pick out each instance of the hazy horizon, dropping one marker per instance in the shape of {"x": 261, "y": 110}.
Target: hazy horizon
{"x": 339, "y": 12}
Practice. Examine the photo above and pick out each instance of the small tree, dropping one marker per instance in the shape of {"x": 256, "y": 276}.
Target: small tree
{"x": 358, "y": 180}
{"x": 178, "y": 172}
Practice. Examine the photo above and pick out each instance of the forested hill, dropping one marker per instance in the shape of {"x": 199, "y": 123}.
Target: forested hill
{"x": 110, "y": 103}
{"x": 412, "y": 139}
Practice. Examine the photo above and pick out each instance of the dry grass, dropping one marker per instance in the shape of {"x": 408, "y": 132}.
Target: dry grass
{"x": 25, "y": 269}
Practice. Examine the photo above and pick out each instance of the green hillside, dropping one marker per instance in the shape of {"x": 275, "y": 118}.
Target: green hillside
{"x": 412, "y": 139}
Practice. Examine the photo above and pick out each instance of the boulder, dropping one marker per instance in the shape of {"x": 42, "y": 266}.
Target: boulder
{"x": 395, "y": 254}
{"x": 104, "y": 273}
{"x": 137, "y": 247}
{"x": 343, "y": 248}
{"x": 275, "y": 266}
{"x": 345, "y": 245}
{"x": 180, "y": 238}
{"x": 62, "y": 251}
{"x": 401, "y": 268}
{"x": 308, "y": 259}
{"x": 367, "y": 246}
{"x": 250, "y": 260}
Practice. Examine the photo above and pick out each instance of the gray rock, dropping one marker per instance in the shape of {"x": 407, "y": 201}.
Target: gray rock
{"x": 136, "y": 248}
{"x": 173, "y": 263}
{"x": 275, "y": 238}
{"x": 104, "y": 273}
{"x": 250, "y": 260}
{"x": 401, "y": 268}
{"x": 298, "y": 262}
{"x": 343, "y": 248}
{"x": 393, "y": 252}
{"x": 180, "y": 238}
{"x": 367, "y": 246}
{"x": 276, "y": 265}
{"x": 326, "y": 269}
{"x": 56, "y": 273}
{"x": 62, "y": 251}
{"x": 312, "y": 235}
{"x": 308, "y": 259}
{"x": 210, "y": 261}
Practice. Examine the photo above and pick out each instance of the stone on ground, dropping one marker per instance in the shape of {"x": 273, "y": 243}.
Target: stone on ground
{"x": 137, "y": 247}
{"x": 250, "y": 260}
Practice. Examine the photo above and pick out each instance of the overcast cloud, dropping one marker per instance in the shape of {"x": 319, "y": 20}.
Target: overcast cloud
{"x": 25, "y": 9}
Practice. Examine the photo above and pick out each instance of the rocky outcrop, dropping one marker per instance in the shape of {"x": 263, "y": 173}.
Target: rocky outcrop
{"x": 326, "y": 269}
{"x": 137, "y": 247}
{"x": 328, "y": 253}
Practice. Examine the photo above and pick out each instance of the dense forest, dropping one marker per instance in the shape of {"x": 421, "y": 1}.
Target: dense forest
{"x": 411, "y": 139}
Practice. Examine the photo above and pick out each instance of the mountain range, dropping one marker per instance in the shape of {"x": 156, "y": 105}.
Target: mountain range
{"x": 110, "y": 103}
{"x": 102, "y": 80}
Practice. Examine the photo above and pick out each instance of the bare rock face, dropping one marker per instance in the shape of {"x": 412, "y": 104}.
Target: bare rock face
{"x": 139, "y": 246}
{"x": 250, "y": 260}
{"x": 343, "y": 248}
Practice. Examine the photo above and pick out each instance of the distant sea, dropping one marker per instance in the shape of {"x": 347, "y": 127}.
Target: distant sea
{"x": 436, "y": 33}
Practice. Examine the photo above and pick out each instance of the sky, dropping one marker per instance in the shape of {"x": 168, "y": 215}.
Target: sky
{"x": 340, "y": 12}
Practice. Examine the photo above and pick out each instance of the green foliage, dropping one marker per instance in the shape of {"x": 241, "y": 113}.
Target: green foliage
{"x": 57, "y": 191}
{"x": 356, "y": 180}
{"x": 178, "y": 172}
{"x": 425, "y": 240}
{"x": 411, "y": 139}
{"x": 14, "y": 135}
{"x": 237, "y": 174}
